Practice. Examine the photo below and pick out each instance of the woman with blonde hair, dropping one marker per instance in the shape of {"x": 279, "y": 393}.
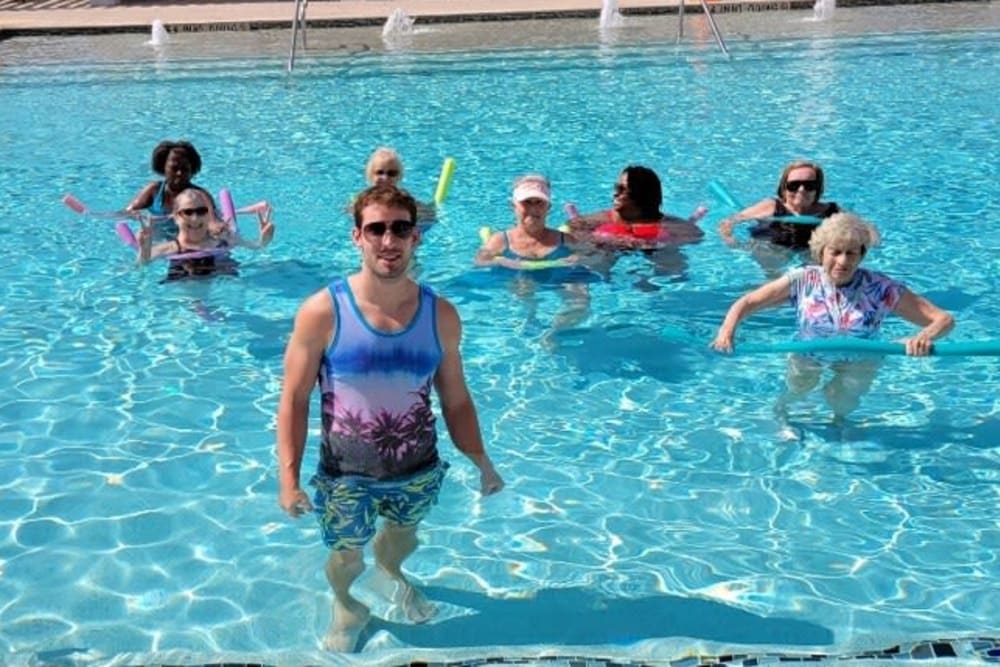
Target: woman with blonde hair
{"x": 838, "y": 298}
{"x": 385, "y": 167}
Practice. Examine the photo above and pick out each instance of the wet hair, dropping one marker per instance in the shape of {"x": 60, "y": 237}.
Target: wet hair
{"x": 847, "y": 228}
{"x": 799, "y": 164}
{"x": 163, "y": 150}
{"x": 644, "y": 190}
{"x": 387, "y": 195}
{"x": 383, "y": 154}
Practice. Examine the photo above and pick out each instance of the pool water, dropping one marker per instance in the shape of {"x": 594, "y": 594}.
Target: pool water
{"x": 654, "y": 503}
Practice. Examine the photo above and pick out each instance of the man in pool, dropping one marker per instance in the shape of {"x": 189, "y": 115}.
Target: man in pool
{"x": 376, "y": 342}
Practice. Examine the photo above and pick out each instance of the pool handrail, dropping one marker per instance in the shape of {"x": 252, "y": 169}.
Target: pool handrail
{"x": 298, "y": 23}
{"x": 711, "y": 24}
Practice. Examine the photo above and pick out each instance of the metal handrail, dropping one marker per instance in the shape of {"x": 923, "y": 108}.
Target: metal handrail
{"x": 298, "y": 22}
{"x": 715, "y": 29}
{"x": 711, "y": 23}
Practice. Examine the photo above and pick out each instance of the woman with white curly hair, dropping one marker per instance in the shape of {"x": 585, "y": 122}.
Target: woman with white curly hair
{"x": 838, "y": 298}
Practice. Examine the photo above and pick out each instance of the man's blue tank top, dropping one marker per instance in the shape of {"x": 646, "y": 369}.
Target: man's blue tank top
{"x": 376, "y": 392}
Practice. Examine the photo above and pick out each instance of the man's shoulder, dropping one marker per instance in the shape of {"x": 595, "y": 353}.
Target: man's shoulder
{"x": 319, "y": 302}
{"x": 446, "y": 312}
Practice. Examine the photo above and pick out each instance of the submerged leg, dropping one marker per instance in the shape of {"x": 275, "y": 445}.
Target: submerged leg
{"x": 349, "y": 615}
{"x": 850, "y": 381}
{"x": 801, "y": 378}
{"x": 392, "y": 545}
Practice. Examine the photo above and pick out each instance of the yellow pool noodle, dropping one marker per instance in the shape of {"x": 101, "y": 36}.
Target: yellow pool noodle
{"x": 444, "y": 180}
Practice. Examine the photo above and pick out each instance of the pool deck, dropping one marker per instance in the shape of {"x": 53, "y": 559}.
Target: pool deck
{"x": 18, "y": 17}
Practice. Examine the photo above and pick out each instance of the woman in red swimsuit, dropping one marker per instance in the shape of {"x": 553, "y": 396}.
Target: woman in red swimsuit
{"x": 635, "y": 222}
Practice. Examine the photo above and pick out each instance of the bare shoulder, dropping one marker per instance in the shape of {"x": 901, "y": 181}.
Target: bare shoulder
{"x": 495, "y": 242}
{"x": 316, "y": 314}
{"x": 447, "y": 314}
{"x": 449, "y": 323}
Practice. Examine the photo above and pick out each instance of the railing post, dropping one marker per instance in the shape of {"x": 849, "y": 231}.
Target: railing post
{"x": 715, "y": 28}
{"x": 298, "y": 21}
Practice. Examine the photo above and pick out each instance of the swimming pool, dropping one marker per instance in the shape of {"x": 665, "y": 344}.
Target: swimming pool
{"x": 654, "y": 507}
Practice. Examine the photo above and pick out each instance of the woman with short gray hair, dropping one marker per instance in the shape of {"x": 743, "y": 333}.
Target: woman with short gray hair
{"x": 838, "y": 298}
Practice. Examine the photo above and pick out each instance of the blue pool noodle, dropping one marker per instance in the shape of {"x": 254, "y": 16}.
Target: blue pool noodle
{"x": 985, "y": 348}
{"x": 726, "y": 197}
{"x": 982, "y": 348}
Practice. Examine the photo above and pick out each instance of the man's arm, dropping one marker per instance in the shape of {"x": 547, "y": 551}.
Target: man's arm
{"x": 313, "y": 331}
{"x": 456, "y": 404}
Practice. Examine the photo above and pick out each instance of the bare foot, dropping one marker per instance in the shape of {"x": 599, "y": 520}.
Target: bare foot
{"x": 348, "y": 622}
{"x": 416, "y": 607}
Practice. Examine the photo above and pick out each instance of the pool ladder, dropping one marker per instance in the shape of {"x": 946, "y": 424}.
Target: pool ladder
{"x": 298, "y": 23}
{"x": 711, "y": 23}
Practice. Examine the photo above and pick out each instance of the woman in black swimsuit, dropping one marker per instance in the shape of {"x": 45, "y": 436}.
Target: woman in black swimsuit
{"x": 799, "y": 190}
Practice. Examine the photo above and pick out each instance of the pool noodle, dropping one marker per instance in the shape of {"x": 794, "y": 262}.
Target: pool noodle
{"x": 720, "y": 191}
{"x": 255, "y": 208}
{"x": 985, "y": 348}
{"x": 127, "y": 237}
{"x": 444, "y": 181}
{"x": 74, "y": 203}
{"x": 957, "y": 349}
{"x": 571, "y": 211}
{"x": 81, "y": 208}
{"x": 726, "y": 197}
{"x": 125, "y": 234}
{"x": 228, "y": 209}
{"x": 528, "y": 264}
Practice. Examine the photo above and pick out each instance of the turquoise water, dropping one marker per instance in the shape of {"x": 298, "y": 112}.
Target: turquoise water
{"x": 652, "y": 496}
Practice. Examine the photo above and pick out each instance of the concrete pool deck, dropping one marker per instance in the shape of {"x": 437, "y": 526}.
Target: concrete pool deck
{"x": 20, "y": 17}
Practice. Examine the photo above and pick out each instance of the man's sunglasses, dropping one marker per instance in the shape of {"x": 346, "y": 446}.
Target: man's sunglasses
{"x": 401, "y": 229}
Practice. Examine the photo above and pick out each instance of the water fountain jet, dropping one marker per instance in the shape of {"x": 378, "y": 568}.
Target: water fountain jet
{"x": 823, "y": 9}
{"x": 398, "y": 25}
{"x": 158, "y": 34}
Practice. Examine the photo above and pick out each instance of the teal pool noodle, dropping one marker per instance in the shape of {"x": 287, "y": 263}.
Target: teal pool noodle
{"x": 986, "y": 348}
{"x": 722, "y": 194}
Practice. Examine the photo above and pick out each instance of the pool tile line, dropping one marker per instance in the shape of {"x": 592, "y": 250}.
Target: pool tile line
{"x": 945, "y": 652}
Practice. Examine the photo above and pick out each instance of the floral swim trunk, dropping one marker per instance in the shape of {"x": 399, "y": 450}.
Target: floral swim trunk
{"x": 348, "y": 506}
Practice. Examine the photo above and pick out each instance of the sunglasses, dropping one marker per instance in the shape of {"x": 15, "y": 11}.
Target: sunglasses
{"x": 621, "y": 189}
{"x": 188, "y": 212}
{"x": 794, "y": 186}
{"x": 401, "y": 229}
{"x": 391, "y": 173}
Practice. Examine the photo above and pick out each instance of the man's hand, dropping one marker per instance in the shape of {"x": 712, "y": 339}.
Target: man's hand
{"x": 295, "y": 502}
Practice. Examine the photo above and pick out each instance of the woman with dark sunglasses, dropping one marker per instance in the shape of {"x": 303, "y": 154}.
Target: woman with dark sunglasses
{"x": 799, "y": 191}
{"x": 202, "y": 246}
{"x": 635, "y": 221}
